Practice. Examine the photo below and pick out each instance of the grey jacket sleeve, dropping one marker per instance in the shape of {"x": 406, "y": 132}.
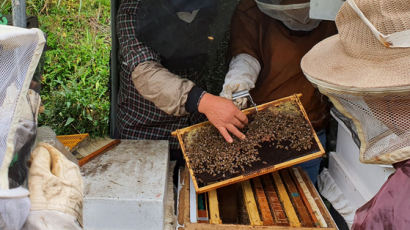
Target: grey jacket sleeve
{"x": 166, "y": 90}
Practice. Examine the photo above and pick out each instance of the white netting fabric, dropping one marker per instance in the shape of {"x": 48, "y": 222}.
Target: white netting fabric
{"x": 382, "y": 121}
{"x": 367, "y": 80}
{"x": 294, "y": 16}
{"x": 20, "y": 50}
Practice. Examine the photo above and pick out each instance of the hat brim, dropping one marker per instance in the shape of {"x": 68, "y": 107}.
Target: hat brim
{"x": 328, "y": 63}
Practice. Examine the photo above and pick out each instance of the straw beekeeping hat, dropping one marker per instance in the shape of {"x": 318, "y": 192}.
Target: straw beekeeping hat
{"x": 365, "y": 72}
{"x": 363, "y": 56}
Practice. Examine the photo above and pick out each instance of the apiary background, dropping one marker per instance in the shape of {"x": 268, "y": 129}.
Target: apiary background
{"x": 281, "y": 200}
{"x": 258, "y": 168}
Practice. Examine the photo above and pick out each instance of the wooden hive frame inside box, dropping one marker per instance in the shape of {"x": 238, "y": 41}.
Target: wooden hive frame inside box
{"x": 289, "y": 201}
{"x": 295, "y": 98}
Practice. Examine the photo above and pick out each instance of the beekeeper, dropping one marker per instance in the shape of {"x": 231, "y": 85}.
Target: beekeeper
{"x": 268, "y": 40}
{"x": 167, "y": 51}
{"x": 54, "y": 198}
{"x": 365, "y": 72}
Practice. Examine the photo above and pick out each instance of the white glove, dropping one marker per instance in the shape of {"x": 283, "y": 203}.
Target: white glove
{"x": 242, "y": 75}
{"x": 55, "y": 183}
{"x": 14, "y": 208}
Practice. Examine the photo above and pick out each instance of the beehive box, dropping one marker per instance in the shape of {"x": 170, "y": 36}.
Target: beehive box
{"x": 279, "y": 146}
{"x": 126, "y": 187}
{"x": 281, "y": 200}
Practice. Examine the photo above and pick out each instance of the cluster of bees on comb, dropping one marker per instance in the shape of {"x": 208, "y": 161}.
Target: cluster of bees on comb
{"x": 282, "y": 126}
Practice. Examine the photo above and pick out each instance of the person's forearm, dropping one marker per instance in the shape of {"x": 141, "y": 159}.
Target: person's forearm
{"x": 167, "y": 91}
{"x": 244, "y": 68}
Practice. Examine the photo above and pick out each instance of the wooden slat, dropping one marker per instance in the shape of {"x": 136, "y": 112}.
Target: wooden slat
{"x": 183, "y": 204}
{"x": 310, "y": 198}
{"x": 278, "y": 212}
{"x": 262, "y": 202}
{"x": 199, "y": 226}
{"x": 250, "y": 203}
{"x": 103, "y": 149}
{"x": 203, "y": 216}
{"x": 297, "y": 200}
{"x": 283, "y": 196}
{"x": 203, "y": 213}
{"x": 307, "y": 204}
{"x": 325, "y": 213}
{"x": 214, "y": 208}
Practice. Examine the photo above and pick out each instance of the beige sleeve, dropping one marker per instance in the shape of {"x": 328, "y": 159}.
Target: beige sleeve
{"x": 166, "y": 90}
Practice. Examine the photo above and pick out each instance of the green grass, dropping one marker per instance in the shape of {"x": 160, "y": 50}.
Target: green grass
{"x": 5, "y": 8}
{"x": 76, "y": 71}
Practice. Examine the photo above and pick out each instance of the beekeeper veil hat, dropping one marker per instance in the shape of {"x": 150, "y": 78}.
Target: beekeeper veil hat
{"x": 20, "y": 51}
{"x": 365, "y": 72}
{"x": 293, "y": 13}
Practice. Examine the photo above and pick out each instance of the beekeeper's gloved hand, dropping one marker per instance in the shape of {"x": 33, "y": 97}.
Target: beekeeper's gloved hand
{"x": 14, "y": 208}
{"x": 242, "y": 75}
{"x": 56, "y": 191}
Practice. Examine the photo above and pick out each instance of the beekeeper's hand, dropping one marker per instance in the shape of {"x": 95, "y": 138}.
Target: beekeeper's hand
{"x": 242, "y": 75}
{"x": 56, "y": 190}
{"x": 223, "y": 114}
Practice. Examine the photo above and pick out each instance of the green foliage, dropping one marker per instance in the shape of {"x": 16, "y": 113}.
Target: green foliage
{"x": 76, "y": 71}
{"x": 3, "y": 20}
{"x": 5, "y": 7}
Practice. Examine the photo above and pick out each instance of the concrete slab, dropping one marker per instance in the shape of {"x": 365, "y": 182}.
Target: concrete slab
{"x": 125, "y": 188}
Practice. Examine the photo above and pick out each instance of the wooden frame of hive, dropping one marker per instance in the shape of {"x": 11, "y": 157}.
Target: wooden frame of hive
{"x": 71, "y": 141}
{"x": 180, "y": 132}
{"x": 259, "y": 215}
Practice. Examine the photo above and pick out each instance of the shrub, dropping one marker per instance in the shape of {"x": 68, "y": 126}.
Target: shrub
{"x": 76, "y": 71}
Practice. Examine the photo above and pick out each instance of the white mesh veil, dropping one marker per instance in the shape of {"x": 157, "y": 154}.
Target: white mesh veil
{"x": 366, "y": 76}
{"x": 382, "y": 120}
{"x": 294, "y": 16}
{"x": 20, "y": 51}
